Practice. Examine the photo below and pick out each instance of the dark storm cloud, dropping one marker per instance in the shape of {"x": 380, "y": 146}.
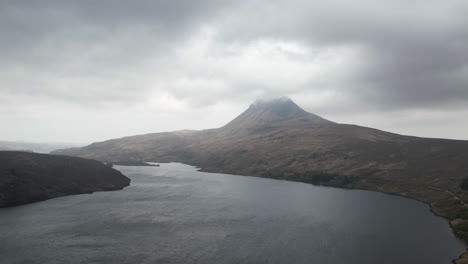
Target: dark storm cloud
{"x": 414, "y": 53}
{"x": 33, "y": 19}
{"x": 47, "y": 45}
{"x": 30, "y": 28}
{"x": 83, "y": 59}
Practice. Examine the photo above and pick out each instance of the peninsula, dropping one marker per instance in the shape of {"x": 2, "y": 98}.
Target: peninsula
{"x": 30, "y": 177}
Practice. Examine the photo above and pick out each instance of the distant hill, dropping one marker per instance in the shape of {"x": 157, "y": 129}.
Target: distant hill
{"x": 33, "y": 146}
{"x": 30, "y": 177}
{"x": 277, "y": 139}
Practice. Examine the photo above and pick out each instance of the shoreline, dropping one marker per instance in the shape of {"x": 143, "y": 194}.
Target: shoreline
{"x": 461, "y": 259}
{"x": 33, "y": 177}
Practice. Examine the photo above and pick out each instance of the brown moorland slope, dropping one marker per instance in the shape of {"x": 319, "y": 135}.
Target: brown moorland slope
{"x": 30, "y": 177}
{"x": 277, "y": 139}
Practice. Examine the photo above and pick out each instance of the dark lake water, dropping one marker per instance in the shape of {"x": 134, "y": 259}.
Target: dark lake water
{"x": 174, "y": 214}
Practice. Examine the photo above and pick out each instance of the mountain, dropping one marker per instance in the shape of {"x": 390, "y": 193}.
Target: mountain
{"x": 270, "y": 112}
{"x": 277, "y": 139}
{"x": 34, "y": 146}
{"x": 29, "y": 177}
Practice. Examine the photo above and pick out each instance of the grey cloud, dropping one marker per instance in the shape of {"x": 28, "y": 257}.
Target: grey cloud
{"x": 194, "y": 54}
{"x": 414, "y": 52}
{"x": 47, "y": 42}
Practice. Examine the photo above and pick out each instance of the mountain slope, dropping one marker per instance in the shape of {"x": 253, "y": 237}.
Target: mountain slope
{"x": 278, "y": 139}
{"x": 33, "y": 146}
{"x": 30, "y": 177}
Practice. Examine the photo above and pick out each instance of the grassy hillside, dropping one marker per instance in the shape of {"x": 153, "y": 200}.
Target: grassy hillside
{"x": 30, "y": 177}
{"x": 277, "y": 139}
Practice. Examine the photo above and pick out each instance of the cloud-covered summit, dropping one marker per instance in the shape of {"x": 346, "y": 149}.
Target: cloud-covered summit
{"x": 67, "y": 65}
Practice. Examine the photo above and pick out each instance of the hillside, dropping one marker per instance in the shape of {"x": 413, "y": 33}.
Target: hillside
{"x": 30, "y": 177}
{"x": 33, "y": 146}
{"x": 278, "y": 139}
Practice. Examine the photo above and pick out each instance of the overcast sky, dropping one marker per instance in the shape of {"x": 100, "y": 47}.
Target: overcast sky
{"x": 85, "y": 71}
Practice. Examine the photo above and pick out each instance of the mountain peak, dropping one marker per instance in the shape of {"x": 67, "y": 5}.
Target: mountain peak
{"x": 275, "y": 101}
{"x": 282, "y": 107}
{"x": 268, "y": 112}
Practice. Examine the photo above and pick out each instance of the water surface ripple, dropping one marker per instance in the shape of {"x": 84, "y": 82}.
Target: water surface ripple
{"x": 175, "y": 214}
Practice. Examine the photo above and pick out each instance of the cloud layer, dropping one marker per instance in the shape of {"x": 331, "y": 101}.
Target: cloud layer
{"x": 91, "y": 70}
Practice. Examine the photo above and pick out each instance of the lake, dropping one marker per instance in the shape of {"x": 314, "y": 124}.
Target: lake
{"x": 175, "y": 214}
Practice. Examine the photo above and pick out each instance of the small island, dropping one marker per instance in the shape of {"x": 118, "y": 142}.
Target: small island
{"x": 131, "y": 163}
{"x": 30, "y": 177}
